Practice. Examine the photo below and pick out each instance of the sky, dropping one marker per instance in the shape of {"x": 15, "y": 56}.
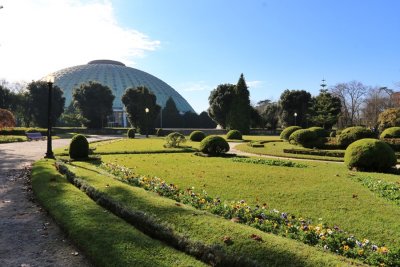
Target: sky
{"x": 195, "y": 45}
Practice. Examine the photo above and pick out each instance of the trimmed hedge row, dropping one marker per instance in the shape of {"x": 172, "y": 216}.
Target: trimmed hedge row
{"x": 326, "y": 153}
{"x": 23, "y": 131}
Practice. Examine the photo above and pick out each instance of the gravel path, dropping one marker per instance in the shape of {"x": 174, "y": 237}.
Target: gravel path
{"x": 28, "y": 236}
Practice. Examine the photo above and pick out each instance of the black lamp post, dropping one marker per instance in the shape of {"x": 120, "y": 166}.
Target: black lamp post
{"x": 295, "y": 119}
{"x": 147, "y": 122}
{"x": 49, "y": 153}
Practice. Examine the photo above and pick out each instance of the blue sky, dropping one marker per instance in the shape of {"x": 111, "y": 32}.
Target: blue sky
{"x": 277, "y": 45}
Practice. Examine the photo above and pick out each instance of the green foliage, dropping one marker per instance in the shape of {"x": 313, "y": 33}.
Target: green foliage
{"x": 295, "y": 101}
{"x": 220, "y": 100}
{"x": 285, "y": 134}
{"x": 160, "y": 132}
{"x": 7, "y": 119}
{"x": 79, "y": 147}
{"x": 234, "y": 134}
{"x": 370, "y": 155}
{"x": 305, "y": 138}
{"x": 204, "y": 121}
{"x": 94, "y": 102}
{"x": 5, "y": 97}
{"x": 389, "y": 118}
{"x": 214, "y": 145}
{"x": 197, "y": 136}
{"x": 131, "y": 133}
{"x": 321, "y": 132}
{"x": 392, "y": 132}
{"x": 136, "y": 100}
{"x": 170, "y": 115}
{"x": 352, "y": 134}
{"x": 174, "y": 140}
{"x": 269, "y": 112}
{"x": 270, "y": 162}
{"x": 37, "y": 102}
{"x": 325, "y": 109}
{"x": 332, "y": 133}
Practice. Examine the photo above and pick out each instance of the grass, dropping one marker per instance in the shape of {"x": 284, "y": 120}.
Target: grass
{"x": 12, "y": 138}
{"x": 106, "y": 239}
{"x": 322, "y": 190}
{"x": 200, "y": 228}
{"x": 276, "y": 149}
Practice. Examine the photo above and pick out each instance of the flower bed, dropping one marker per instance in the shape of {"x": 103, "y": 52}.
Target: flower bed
{"x": 270, "y": 162}
{"x": 319, "y": 234}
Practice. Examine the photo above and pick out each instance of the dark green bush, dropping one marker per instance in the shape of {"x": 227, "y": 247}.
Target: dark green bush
{"x": 174, "y": 139}
{"x": 305, "y": 138}
{"x": 392, "y": 132}
{"x": 234, "y": 134}
{"x": 160, "y": 132}
{"x": 214, "y": 145}
{"x": 352, "y": 134}
{"x": 131, "y": 133}
{"x": 285, "y": 134}
{"x": 197, "y": 136}
{"x": 321, "y": 132}
{"x": 79, "y": 147}
{"x": 332, "y": 134}
{"x": 370, "y": 155}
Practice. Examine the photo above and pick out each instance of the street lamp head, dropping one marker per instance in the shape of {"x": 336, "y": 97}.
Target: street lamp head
{"x": 50, "y": 79}
{"x": 146, "y": 110}
{"x": 295, "y": 114}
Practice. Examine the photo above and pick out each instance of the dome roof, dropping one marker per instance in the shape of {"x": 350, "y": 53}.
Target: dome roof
{"x": 118, "y": 78}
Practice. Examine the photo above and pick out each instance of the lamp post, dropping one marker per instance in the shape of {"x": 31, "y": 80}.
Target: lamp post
{"x": 49, "y": 153}
{"x": 295, "y": 119}
{"x": 147, "y": 122}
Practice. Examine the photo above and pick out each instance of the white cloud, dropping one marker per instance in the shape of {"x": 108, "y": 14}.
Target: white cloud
{"x": 41, "y": 36}
{"x": 254, "y": 84}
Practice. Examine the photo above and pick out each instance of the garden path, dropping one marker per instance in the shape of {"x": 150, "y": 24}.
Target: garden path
{"x": 29, "y": 237}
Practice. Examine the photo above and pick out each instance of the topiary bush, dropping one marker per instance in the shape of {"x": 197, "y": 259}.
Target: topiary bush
{"x": 160, "y": 132}
{"x": 370, "y": 155}
{"x": 234, "y": 134}
{"x": 214, "y": 145}
{"x": 285, "y": 134}
{"x": 305, "y": 137}
{"x": 197, "y": 136}
{"x": 79, "y": 147}
{"x": 321, "y": 132}
{"x": 352, "y": 134}
{"x": 392, "y": 132}
{"x": 332, "y": 133}
{"x": 174, "y": 139}
{"x": 131, "y": 133}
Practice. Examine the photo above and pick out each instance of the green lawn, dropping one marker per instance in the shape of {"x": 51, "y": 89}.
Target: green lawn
{"x": 323, "y": 190}
{"x": 106, "y": 239}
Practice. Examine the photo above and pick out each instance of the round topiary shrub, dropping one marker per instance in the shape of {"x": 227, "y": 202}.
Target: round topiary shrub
{"x": 174, "y": 139}
{"x": 197, "y": 136}
{"x": 392, "y": 132}
{"x": 369, "y": 155}
{"x": 285, "y": 134}
{"x": 234, "y": 134}
{"x": 131, "y": 133}
{"x": 214, "y": 145}
{"x": 79, "y": 147}
{"x": 321, "y": 132}
{"x": 305, "y": 137}
{"x": 352, "y": 134}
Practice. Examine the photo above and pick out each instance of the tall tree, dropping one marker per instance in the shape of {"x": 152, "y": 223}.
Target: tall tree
{"x": 37, "y": 102}
{"x": 239, "y": 116}
{"x": 190, "y": 120}
{"x": 5, "y": 97}
{"x": 294, "y": 105}
{"x": 351, "y": 95}
{"x": 220, "y": 102}
{"x": 94, "y": 102}
{"x": 325, "y": 109}
{"x": 136, "y": 100}
{"x": 269, "y": 112}
{"x": 170, "y": 115}
{"x": 375, "y": 102}
{"x": 204, "y": 121}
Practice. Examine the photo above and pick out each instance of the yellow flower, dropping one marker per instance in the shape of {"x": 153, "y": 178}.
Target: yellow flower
{"x": 346, "y": 248}
{"x": 202, "y": 200}
{"x": 360, "y": 252}
{"x": 383, "y": 250}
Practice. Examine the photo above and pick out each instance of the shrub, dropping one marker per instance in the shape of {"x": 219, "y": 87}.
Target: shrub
{"x": 7, "y": 119}
{"x": 174, "y": 139}
{"x": 305, "y": 138}
{"x": 352, "y": 134}
{"x": 370, "y": 155}
{"x": 321, "y": 132}
{"x": 197, "y": 136}
{"x": 392, "y": 132}
{"x": 214, "y": 145}
{"x": 79, "y": 147}
{"x": 332, "y": 134}
{"x": 131, "y": 133}
{"x": 234, "y": 134}
{"x": 285, "y": 134}
{"x": 160, "y": 132}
